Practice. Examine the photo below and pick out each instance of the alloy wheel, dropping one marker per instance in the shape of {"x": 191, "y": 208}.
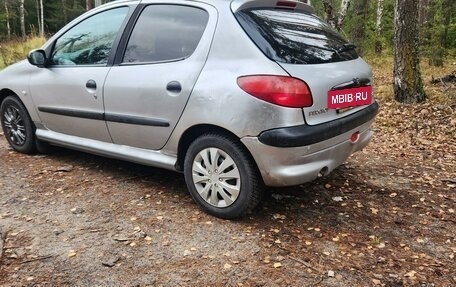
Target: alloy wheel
{"x": 14, "y": 125}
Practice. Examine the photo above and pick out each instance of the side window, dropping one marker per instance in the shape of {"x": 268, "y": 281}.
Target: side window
{"x": 89, "y": 42}
{"x": 164, "y": 33}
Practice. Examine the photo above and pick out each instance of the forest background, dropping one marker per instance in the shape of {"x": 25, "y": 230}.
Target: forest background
{"x": 367, "y": 23}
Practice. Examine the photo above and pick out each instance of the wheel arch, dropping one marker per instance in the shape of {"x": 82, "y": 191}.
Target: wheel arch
{"x": 7, "y": 92}
{"x": 196, "y": 131}
{"x": 4, "y": 93}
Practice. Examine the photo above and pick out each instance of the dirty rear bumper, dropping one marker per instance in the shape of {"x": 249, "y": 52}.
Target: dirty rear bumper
{"x": 306, "y": 135}
{"x": 288, "y": 166}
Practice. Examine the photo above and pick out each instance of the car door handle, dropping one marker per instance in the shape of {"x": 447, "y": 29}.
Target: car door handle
{"x": 91, "y": 84}
{"x": 174, "y": 87}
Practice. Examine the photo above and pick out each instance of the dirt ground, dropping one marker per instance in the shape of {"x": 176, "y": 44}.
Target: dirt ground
{"x": 385, "y": 218}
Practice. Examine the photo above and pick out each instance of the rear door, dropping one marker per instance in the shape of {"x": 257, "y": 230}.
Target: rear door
{"x": 145, "y": 94}
{"x": 309, "y": 49}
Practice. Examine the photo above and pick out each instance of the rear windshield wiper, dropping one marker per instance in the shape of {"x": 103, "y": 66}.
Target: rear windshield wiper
{"x": 346, "y": 47}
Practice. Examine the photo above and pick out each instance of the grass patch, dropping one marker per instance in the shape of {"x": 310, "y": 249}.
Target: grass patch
{"x": 16, "y": 50}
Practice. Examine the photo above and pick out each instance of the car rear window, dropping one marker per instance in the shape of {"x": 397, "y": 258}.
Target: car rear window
{"x": 294, "y": 37}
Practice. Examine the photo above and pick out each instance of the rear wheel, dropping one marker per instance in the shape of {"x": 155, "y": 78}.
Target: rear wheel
{"x": 17, "y": 125}
{"x": 221, "y": 176}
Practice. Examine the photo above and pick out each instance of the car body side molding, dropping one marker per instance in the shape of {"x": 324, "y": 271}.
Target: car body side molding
{"x": 126, "y": 119}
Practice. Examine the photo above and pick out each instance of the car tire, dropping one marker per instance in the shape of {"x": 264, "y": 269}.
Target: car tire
{"x": 222, "y": 177}
{"x": 17, "y": 125}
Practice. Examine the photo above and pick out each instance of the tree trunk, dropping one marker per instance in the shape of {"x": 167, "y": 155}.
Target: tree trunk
{"x": 424, "y": 19}
{"x": 64, "y": 10}
{"x": 342, "y": 13}
{"x": 37, "y": 4}
{"x": 97, "y": 3}
{"x": 408, "y": 85}
{"x": 328, "y": 8}
{"x": 89, "y": 5}
{"x": 22, "y": 17}
{"x": 335, "y": 21}
{"x": 359, "y": 27}
{"x": 42, "y": 19}
{"x": 8, "y": 27}
{"x": 378, "y": 26}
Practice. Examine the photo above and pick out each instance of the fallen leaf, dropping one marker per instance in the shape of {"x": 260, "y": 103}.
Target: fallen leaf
{"x": 410, "y": 274}
{"x": 277, "y": 265}
{"x": 337, "y": 198}
{"x": 227, "y": 266}
{"x": 279, "y": 216}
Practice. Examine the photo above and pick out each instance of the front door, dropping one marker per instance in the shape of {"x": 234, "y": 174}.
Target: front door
{"x": 68, "y": 94}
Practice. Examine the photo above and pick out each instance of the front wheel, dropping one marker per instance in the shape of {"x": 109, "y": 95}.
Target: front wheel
{"x": 221, "y": 176}
{"x": 17, "y": 125}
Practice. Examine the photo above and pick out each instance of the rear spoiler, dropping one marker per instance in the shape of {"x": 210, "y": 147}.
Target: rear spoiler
{"x": 303, "y": 5}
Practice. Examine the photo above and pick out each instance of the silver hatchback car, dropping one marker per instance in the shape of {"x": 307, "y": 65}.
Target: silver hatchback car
{"x": 235, "y": 94}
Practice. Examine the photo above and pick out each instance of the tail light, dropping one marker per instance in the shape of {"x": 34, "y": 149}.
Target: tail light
{"x": 279, "y": 90}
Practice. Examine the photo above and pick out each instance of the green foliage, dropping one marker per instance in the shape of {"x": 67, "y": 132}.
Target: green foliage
{"x": 431, "y": 33}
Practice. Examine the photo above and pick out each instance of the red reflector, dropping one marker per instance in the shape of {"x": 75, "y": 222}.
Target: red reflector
{"x": 279, "y": 90}
{"x": 287, "y": 4}
{"x": 354, "y": 137}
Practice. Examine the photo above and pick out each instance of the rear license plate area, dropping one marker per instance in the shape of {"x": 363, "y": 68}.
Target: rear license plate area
{"x": 343, "y": 100}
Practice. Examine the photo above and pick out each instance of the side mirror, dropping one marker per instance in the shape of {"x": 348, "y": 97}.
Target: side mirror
{"x": 37, "y": 58}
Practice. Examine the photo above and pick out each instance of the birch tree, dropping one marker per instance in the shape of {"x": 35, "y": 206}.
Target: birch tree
{"x": 335, "y": 20}
{"x": 408, "y": 85}
{"x": 41, "y": 19}
{"x": 344, "y": 4}
{"x": 8, "y": 27}
{"x": 22, "y": 17}
{"x": 378, "y": 28}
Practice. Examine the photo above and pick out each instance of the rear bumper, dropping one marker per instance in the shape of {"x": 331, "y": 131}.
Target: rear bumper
{"x": 288, "y": 166}
{"x": 304, "y": 135}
